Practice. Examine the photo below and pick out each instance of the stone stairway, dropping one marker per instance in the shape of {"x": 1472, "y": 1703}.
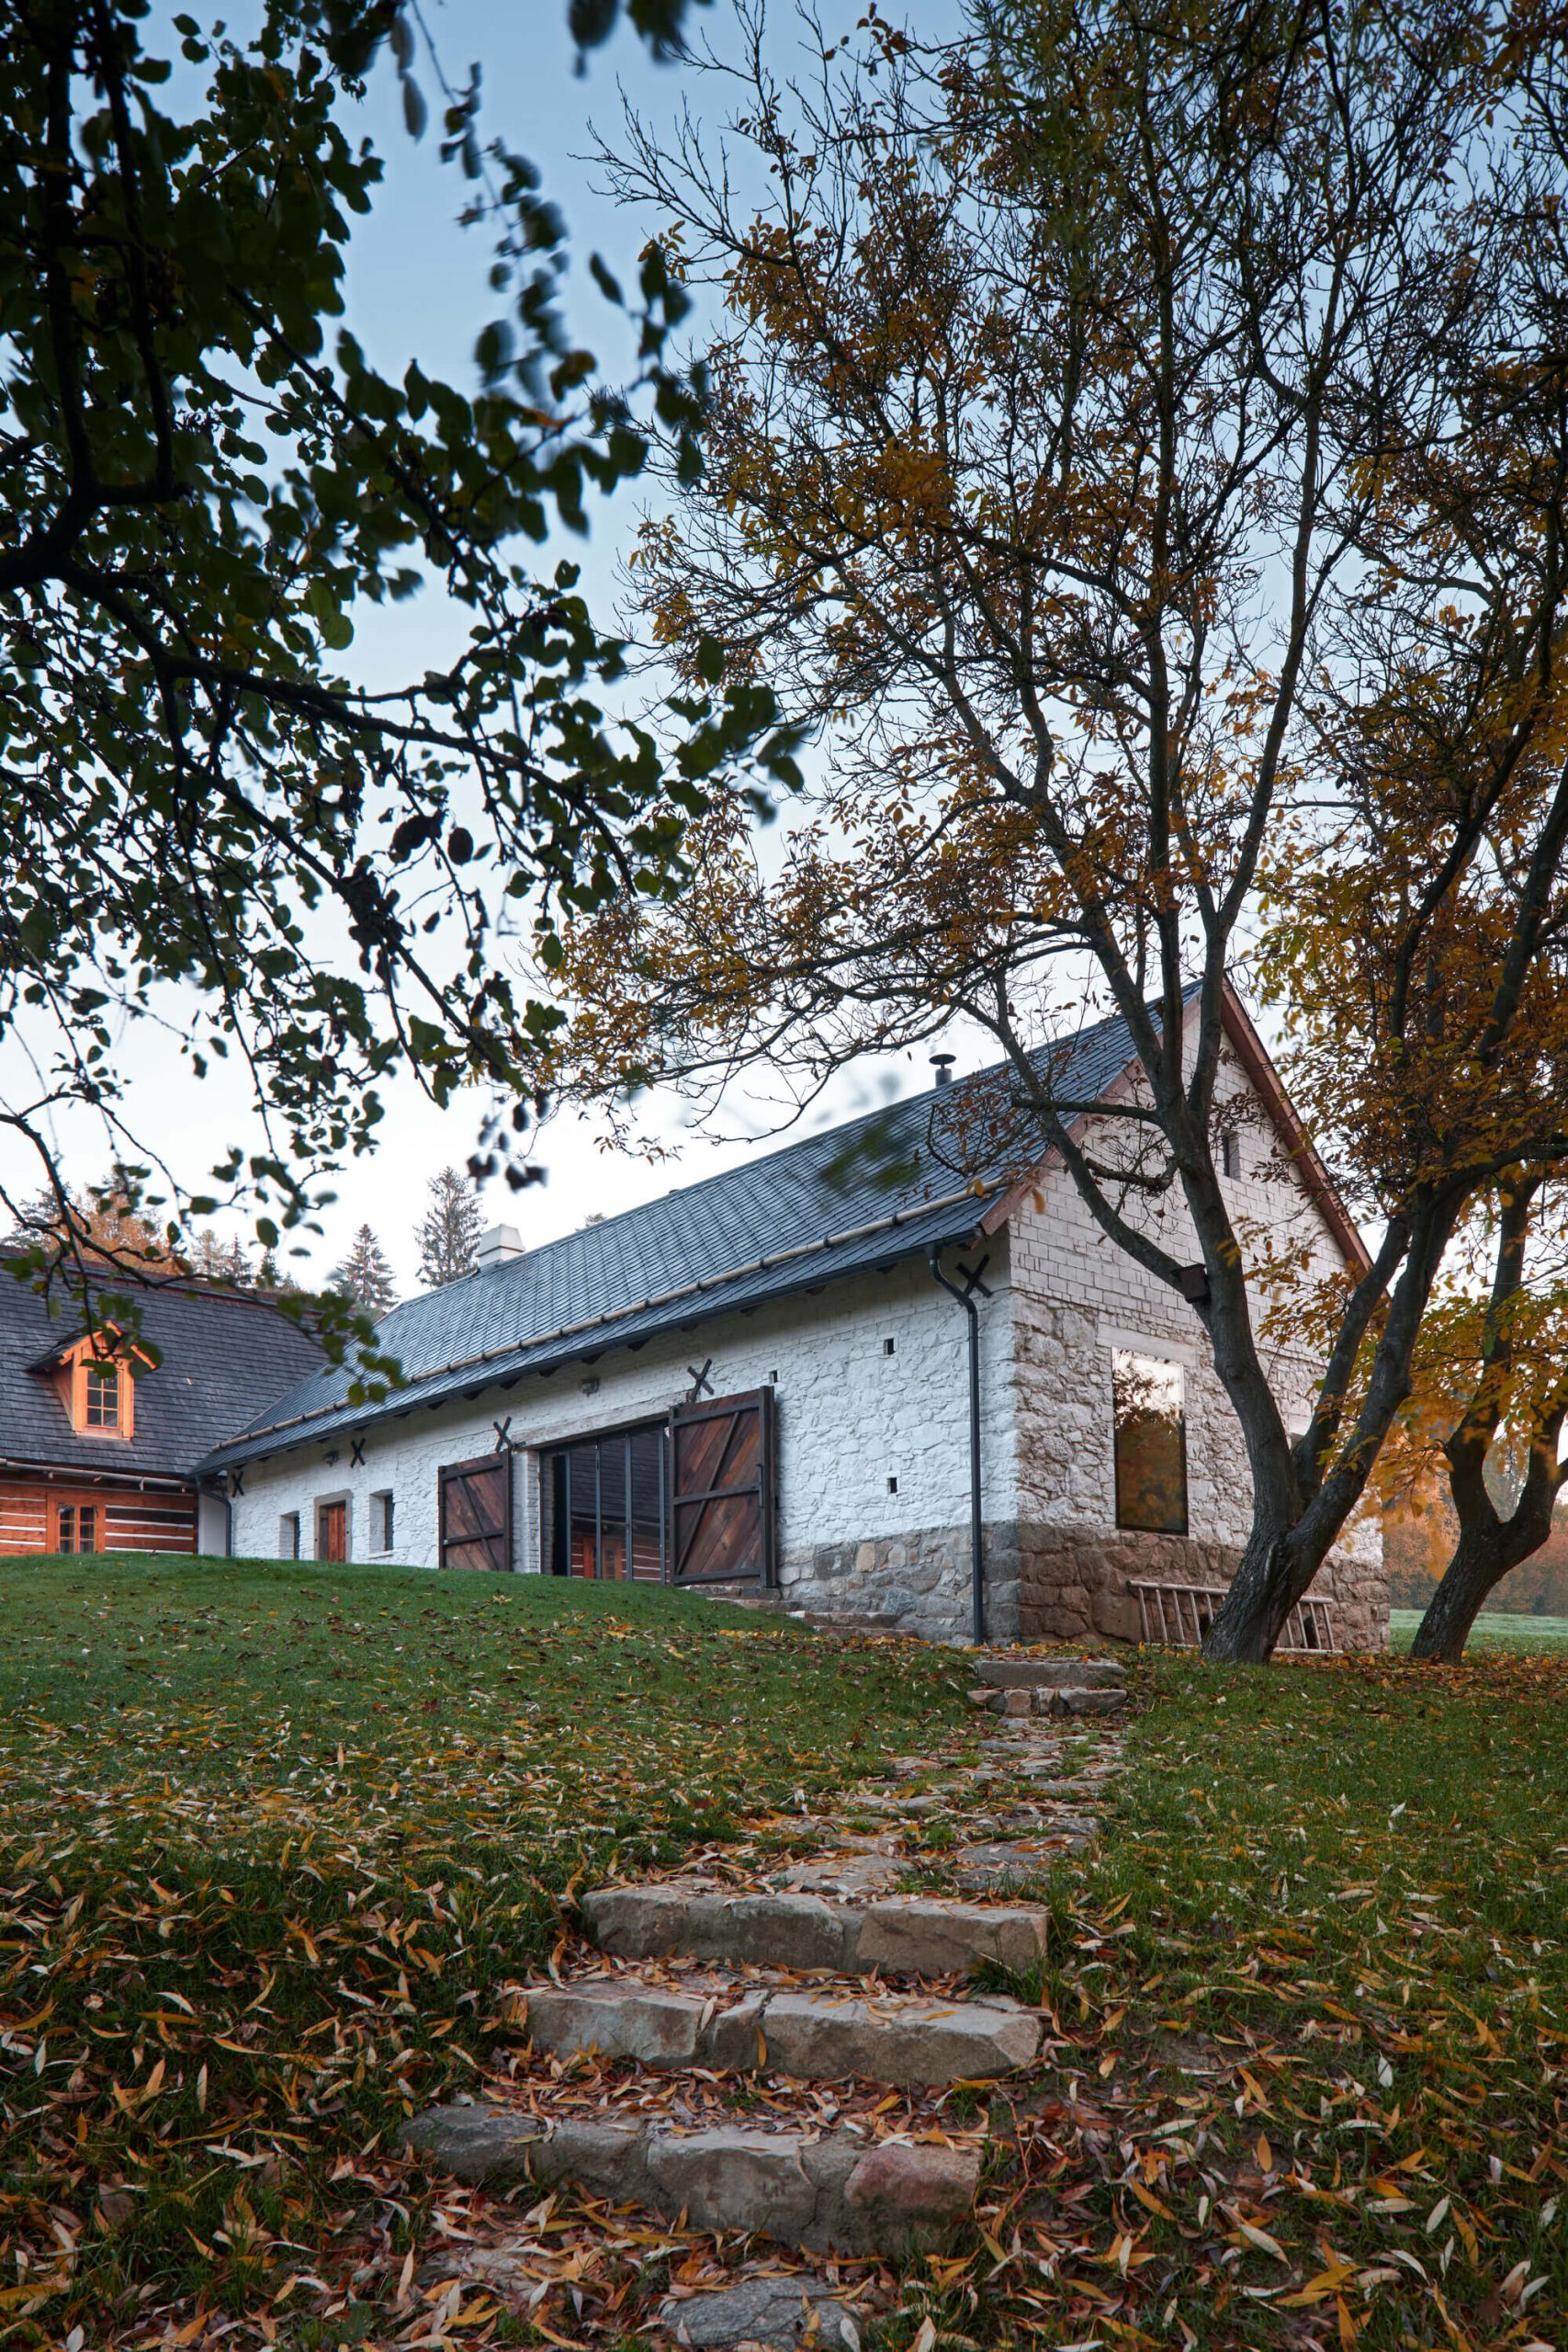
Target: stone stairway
{"x": 819, "y": 1980}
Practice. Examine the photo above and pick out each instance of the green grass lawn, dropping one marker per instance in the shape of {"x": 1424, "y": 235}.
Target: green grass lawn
{"x": 1322, "y": 1953}
{"x": 271, "y": 1837}
{"x": 274, "y": 1840}
{"x": 1496, "y": 1629}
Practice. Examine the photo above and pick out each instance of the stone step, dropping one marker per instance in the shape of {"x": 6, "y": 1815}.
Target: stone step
{"x": 1055, "y": 1700}
{"x": 897, "y": 1935}
{"x": 829, "y": 2191}
{"x": 906, "y": 2040}
{"x": 848, "y": 1621}
{"x": 1050, "y": 1673}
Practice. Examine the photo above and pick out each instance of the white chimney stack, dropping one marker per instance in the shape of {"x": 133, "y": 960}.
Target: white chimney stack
{"x": 491, "y": 1248}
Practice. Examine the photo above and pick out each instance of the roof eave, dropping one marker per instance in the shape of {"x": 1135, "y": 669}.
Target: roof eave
{"x": 709, "y": 1298}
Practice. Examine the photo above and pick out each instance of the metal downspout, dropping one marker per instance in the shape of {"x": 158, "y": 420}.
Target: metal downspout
{"x": 977, "y": 1518}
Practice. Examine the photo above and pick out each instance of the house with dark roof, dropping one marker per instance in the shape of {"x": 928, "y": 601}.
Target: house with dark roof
{"x": 102, "y": 1432}
{"x": 890, "y": 1371}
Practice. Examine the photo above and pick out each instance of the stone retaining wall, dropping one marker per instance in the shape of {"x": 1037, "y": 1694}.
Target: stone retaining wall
{"x": 1048, "y": 1582}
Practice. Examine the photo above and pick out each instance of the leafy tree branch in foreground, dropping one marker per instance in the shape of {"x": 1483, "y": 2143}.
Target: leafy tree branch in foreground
{"x": 213, "y": 823}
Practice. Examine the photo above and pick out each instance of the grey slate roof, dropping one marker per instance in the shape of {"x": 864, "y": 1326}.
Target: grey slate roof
{"x": 885, "y": 1187}
{"x": 224, "y": 1357}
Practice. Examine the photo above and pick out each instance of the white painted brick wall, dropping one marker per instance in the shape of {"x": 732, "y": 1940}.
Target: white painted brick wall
{"x": 850, "y": 1417}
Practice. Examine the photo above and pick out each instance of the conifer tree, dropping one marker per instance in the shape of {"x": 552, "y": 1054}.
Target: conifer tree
{"x": 449, "y": 1229}
{"x": 365, "y": 1275}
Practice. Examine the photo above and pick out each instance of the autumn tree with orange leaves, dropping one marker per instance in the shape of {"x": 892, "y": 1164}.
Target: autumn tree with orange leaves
{"x": 1106, "y": 410}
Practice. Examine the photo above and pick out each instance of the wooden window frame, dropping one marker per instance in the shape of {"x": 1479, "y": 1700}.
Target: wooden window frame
{"x": 90, "y": 1354}
{"x": 382, "y": 1511}
{"x": 1125, "y": 1524}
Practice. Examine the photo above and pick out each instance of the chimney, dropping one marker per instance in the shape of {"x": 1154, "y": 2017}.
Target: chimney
{"x": 502, "y": 1242}
{"x": 943, "y": 1065}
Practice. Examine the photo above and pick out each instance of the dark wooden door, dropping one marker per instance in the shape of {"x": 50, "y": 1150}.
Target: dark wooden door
{"x": 721, "y": 1497}
{"x": 476, "y": 1513}
{"x": 332, "y": 1530}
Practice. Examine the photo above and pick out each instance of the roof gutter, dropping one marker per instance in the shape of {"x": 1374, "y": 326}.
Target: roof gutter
{"x": 89, "y": 1475}
{"x": 623, "y": 1313}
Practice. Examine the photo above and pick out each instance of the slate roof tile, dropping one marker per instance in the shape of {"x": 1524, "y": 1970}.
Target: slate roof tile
{"x": 224, "y": 1357}
{"x": 880, "y": 1188}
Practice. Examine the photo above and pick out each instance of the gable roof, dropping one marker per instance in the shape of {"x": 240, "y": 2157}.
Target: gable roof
{"x": 224, "y": 1355}
{"x": 860, "y": 1197}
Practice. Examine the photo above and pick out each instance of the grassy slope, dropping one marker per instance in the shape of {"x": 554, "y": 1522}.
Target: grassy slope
{"x": 271, "y": 1839}
{"x": 1325, "y": 1933}
{"x": 275, "y": 1840}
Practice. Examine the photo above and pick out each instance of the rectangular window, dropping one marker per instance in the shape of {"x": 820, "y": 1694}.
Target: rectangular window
{"x": 103, "y": 1396}
{"x": 288, "y": 1536}
{"x": 381, "y": 1521}
{"x": 1230, "y": 1155}
{"x": 603, "y": 1505}
{"x": 78, "y": 1528}
{"x": 1151, "y": 1443}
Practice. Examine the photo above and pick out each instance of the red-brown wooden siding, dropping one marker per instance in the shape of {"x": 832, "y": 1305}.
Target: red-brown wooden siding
{"x": 129, "y": 1520}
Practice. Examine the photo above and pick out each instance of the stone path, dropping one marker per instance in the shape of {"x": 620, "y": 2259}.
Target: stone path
{"x": 786, "y": 2046}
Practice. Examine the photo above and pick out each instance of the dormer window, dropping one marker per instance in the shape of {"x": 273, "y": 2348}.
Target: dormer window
{"x": 95, "y": 1379}
{"x": 101, "y": 1395}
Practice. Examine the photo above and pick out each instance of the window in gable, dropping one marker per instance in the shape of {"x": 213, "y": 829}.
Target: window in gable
{"x": 1230, "y": 1153}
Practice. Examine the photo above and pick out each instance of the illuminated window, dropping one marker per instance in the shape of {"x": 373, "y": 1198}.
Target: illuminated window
{"x": 1151, "y": 1444}
{"x": 102, "y": 1408}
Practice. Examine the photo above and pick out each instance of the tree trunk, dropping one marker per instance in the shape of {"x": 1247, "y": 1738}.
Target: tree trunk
{"x": 1488, "y": 1547}
{"x": 1262, "y": 1594}
{"x": 1293, "y": 1533}
{"x": 1481, "y": 1560}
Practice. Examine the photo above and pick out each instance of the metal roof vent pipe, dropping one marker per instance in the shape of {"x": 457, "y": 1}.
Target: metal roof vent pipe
{"x": 494, "y": 1248}
{"x": 943, "y": 1065}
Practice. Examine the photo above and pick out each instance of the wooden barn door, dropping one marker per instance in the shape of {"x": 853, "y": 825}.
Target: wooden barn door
{"x": 476, "y": 1513}
{"x": 721, "y": 1497}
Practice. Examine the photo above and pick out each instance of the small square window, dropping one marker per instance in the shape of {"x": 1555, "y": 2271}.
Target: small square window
{"x": 1230, "y": 1155}
{"x": 381, "y": 1521}
{"x": 102, "y": 1406}
{"x": 288, "y": 1536}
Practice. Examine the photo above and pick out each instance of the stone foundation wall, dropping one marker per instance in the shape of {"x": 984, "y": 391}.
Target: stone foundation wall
{"x": 1073, "y": 1583}
{"x": 922, "y": 1580}
{"x": 1045, "y": 1582}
